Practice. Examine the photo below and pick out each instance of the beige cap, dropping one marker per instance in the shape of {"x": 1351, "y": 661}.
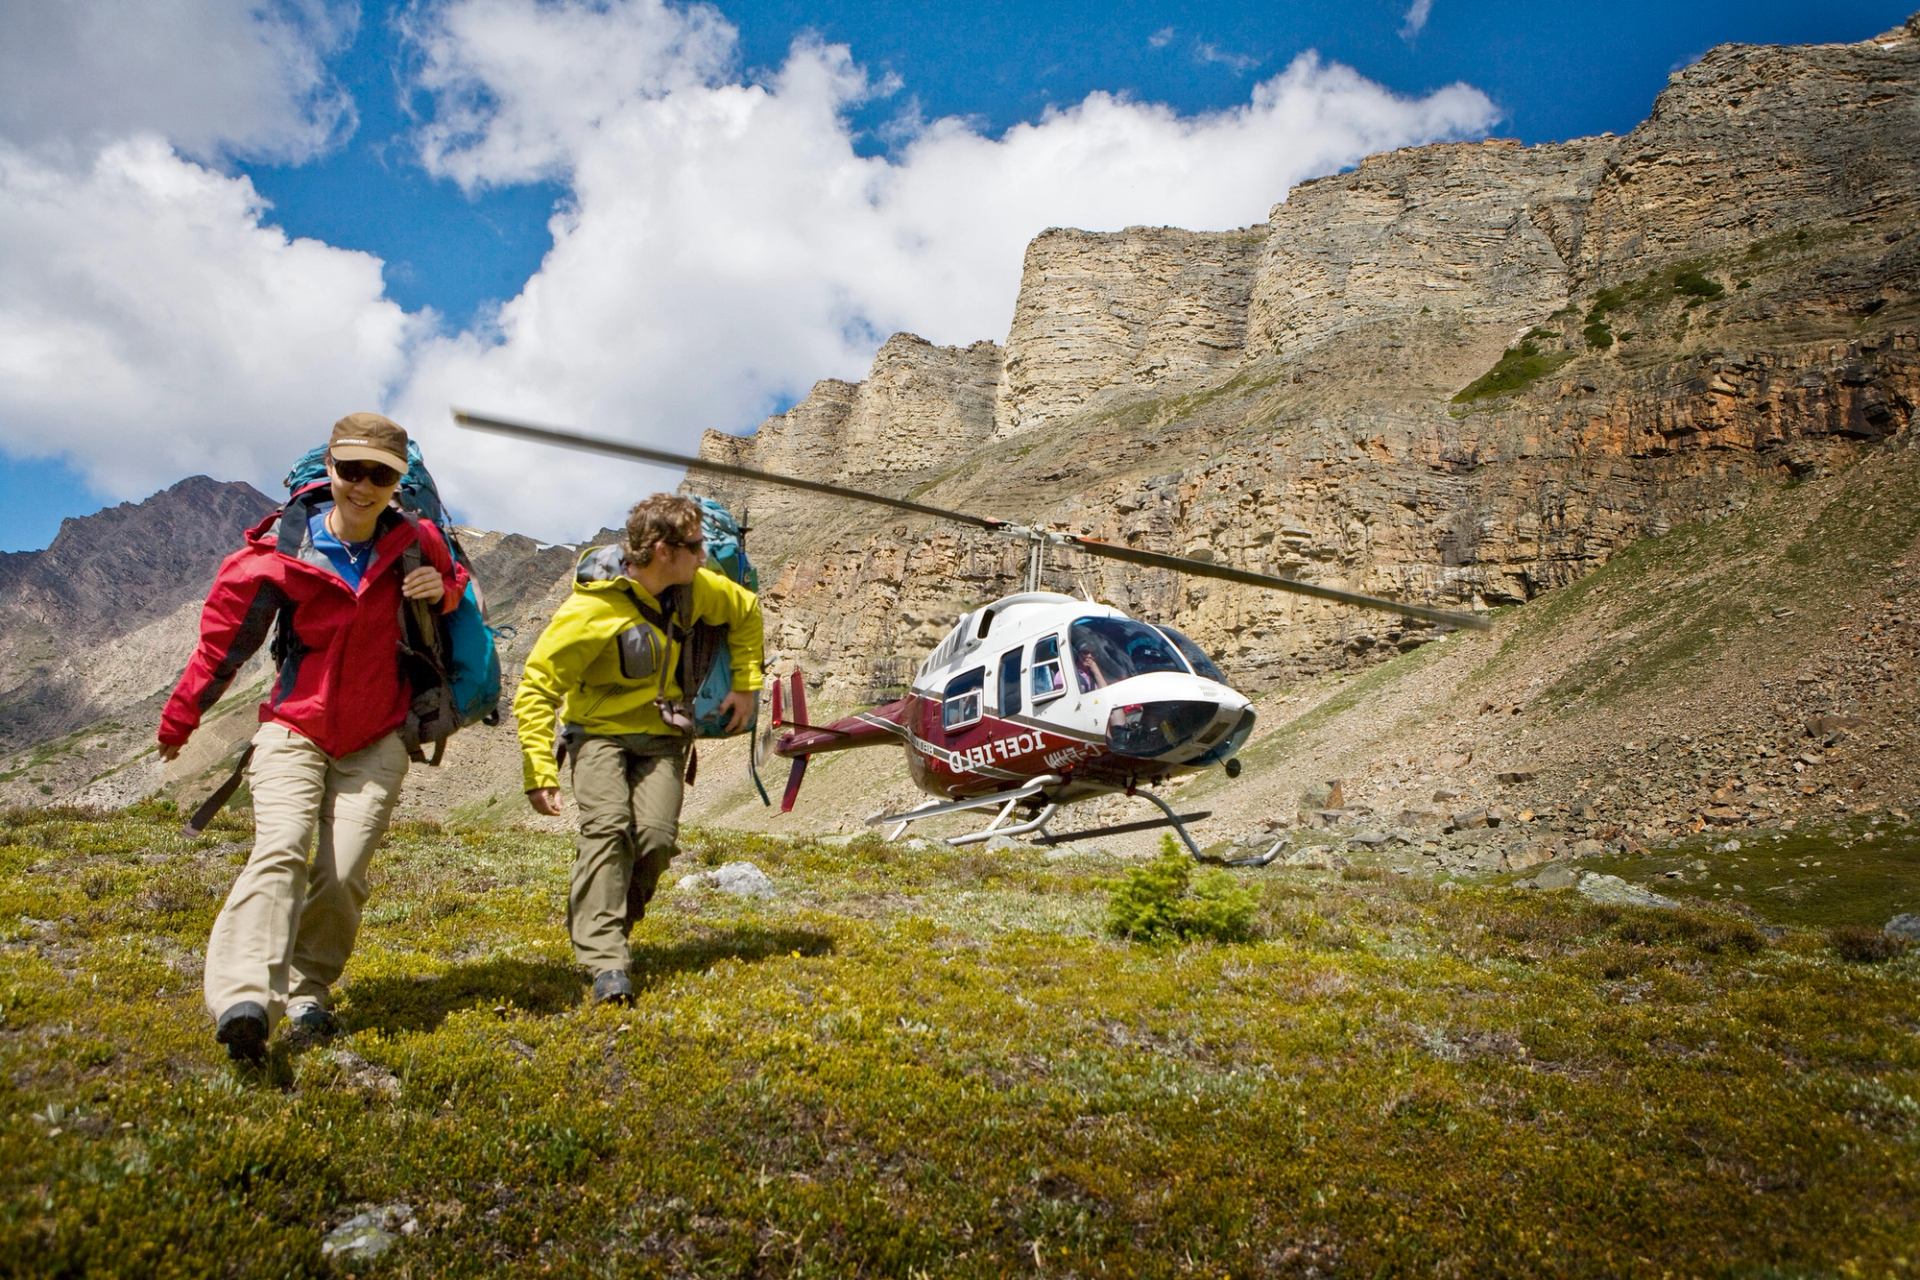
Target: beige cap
{"x": 369, "y": 437}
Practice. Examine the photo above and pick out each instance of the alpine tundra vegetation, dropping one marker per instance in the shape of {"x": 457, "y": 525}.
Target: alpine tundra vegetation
{"x": 943, "y": 1062}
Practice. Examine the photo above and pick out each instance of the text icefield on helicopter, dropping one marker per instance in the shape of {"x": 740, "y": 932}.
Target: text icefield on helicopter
{"x": 1032, "y": 702}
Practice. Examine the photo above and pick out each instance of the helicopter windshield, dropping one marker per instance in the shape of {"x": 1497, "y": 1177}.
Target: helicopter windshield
{"x": 1196, "y": 657}
{"x": 1106, "y": 650}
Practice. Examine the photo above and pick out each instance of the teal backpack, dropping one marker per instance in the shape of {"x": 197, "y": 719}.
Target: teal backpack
{"x": 706, "y": 663}
{"x": 726, "y": 556}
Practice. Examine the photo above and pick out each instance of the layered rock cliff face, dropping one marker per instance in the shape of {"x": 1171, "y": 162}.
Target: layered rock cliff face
{"x": 1723, "y": 298}
{"x": 1755, "y": 141}
{"x": 1108, "y": 318}
{"x": 1481, "y": 233}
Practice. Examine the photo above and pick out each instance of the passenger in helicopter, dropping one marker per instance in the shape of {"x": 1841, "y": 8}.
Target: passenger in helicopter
{"x": 1092, "y": 675}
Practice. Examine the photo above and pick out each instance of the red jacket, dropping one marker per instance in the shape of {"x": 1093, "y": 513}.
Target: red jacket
{"x": 339, "y": 682}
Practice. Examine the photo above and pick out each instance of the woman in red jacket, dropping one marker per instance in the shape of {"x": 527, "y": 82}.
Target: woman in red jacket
{"x": 328, "y": 760}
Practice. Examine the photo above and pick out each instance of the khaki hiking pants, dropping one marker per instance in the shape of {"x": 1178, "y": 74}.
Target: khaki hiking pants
{"x": 629, "y": 821}
{"x": 288, "y": 926}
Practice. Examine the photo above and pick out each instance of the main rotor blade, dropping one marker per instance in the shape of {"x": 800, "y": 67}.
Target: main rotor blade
{"x": 1207, "y": 569}
{"x": 1092, "y": 546}
{"x": 621, "y": 449}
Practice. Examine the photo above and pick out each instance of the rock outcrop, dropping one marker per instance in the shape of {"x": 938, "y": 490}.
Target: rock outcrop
{"x": 1474, "y": 233}
{"x": 1105, "y": 318}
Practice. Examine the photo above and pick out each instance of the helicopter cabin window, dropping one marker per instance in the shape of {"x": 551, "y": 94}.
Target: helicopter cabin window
{"x": 1196, "y": 657}
{"x": 1009, "y": 703}
{"x": 961, "y": 706}
{"x": 1047, "y": 680}
{"x": 1107, "y": 650}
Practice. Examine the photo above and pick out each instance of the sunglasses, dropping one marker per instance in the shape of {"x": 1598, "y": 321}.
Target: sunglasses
{"x": 375, "y": 473}
{"x": 697, "y": 545}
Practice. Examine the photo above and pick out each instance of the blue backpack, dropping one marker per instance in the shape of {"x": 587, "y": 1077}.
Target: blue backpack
{"x": 458, "y": 649}
{"x": 727, "y": 556}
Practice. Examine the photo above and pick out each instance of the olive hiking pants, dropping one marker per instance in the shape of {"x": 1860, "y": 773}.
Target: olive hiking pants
{"x": 629, "y": 822}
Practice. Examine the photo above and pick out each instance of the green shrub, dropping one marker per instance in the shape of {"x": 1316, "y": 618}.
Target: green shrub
{"x": 1165, "y": 900}
{"x": 1518, "y": 366}
{"x": 1598, "y": 335}
{"x": 1864, "y": 944}
{"x": 1694, "y": 285}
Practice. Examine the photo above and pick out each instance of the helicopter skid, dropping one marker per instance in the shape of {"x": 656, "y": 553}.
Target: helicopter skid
{"x": 1005, "y": 799}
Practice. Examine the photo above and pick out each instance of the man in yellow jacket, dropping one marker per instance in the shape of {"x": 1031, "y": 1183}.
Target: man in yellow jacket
{"x": 608, "y": 665}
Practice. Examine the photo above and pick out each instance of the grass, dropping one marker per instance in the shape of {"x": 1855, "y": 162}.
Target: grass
{"x": 940, "y": 1064}
{"x": 1519, "y": 367}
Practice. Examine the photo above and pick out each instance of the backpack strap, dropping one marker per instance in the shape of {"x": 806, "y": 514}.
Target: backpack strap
{"x": 420, "y": 639}
{"x": 218, "y": 800}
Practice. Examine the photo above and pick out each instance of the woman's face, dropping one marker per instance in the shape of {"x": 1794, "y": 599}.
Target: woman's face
{"x": 362, "y": 489}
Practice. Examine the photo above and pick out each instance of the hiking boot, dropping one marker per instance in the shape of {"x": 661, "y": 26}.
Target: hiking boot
{"x": 243, "y": 1029}
{"x": 312, "y": 1021}
{"x": 613, "y": 987}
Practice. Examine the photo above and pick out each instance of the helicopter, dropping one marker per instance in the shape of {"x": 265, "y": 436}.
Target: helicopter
{"x": 1032, "y": 702}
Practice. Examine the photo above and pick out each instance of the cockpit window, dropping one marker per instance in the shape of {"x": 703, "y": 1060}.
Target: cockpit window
{"x": 1106, "y": 650}
{"x": 1196, "y": 657}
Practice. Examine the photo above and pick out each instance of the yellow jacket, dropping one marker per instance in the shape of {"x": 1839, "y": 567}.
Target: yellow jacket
{"x": 575, "y": 669}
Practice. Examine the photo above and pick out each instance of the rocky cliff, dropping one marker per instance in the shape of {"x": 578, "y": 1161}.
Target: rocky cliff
{"x": 1463, "y": 373}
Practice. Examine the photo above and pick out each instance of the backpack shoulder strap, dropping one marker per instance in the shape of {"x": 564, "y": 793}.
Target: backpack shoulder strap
{"x": 218, "y": 800}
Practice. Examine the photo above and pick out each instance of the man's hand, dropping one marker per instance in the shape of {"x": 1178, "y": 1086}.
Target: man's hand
{"x": 169, "y": 751}
{"x": 739, "y": 706}
{"x": 424, "y": 583}
{"x": 545, "y": 800}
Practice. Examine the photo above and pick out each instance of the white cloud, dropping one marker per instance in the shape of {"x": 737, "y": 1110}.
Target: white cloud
{"x": 722, "y": 245}
{"x": 151, "y": 328}
{"x": 1206, "y": 52}
{"x": 214, "y": 77}
{"x": 1416, "y": 19}
{"x": 1161, "y": 38}
{"x": 725, "y": 245}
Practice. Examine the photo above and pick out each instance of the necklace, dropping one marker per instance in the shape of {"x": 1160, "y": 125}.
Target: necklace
{"x": 357, "y": 552}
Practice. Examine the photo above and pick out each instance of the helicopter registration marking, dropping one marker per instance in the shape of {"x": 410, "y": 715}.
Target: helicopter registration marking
{"x": 976, "y": 759}
{"x": 1070, "y": 756}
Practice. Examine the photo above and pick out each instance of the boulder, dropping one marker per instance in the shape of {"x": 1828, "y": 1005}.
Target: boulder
{"x": 1612, "y": 891}
{"x": 741, "y": 879}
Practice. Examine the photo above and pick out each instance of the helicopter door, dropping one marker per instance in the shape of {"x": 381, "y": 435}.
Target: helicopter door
{"x": 1009, "y": 701}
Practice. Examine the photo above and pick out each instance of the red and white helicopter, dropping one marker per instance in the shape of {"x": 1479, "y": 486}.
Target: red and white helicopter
{"x": 1036, "y": 700}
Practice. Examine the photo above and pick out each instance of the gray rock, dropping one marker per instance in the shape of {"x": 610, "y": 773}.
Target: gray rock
{"x": 1423, "y": 819}
{"x": 1905, "y": 925}
{"x": 1370, "y": 839}
{"x": 368, "y": 1235}
{"x": 1555, "y": 875}
{"x": 741, "y": 879}
{"x": 1612, "y": 891}
{"x": 1521, "y": 857}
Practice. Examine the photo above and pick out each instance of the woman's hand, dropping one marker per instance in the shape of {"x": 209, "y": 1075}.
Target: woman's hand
{"x": 424, "y": 583}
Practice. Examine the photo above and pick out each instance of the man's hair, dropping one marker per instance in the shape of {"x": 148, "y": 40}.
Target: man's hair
{"x": 663, "y": 517}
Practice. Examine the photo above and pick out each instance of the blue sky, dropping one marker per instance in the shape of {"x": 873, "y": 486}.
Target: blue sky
{"x": 230, "y": 223}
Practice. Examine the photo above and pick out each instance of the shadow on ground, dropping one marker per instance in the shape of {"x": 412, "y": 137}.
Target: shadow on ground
{"x": 551, "y": 986}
